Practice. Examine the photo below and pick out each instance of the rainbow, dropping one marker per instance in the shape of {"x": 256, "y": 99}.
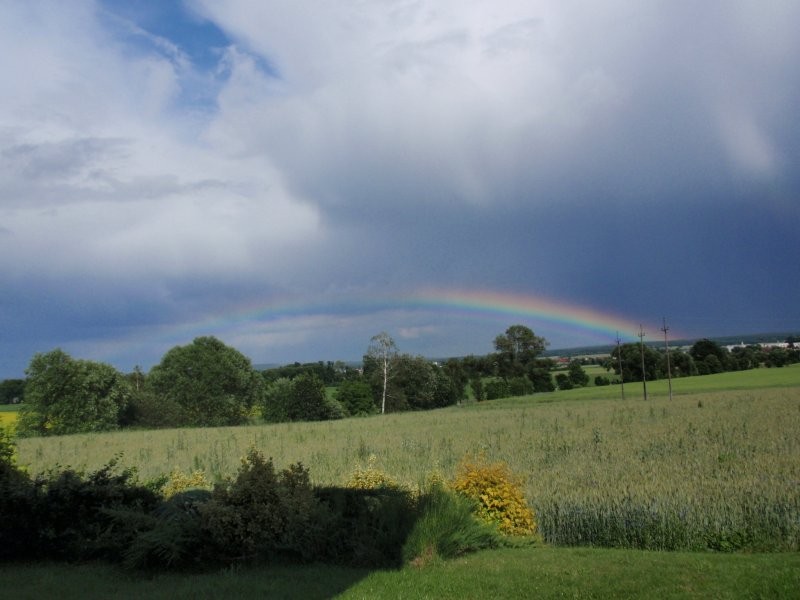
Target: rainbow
{"x": 284, "y": 320}
{"x": 534, "y": 310}
{"x": 561, "y": 315}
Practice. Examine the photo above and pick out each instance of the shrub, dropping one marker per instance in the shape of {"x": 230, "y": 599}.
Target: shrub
{"x": 75, "y": 512}
{"x": 446, "y": 528}
{"x": 18, "y": 506}
{"x": 264, "y": 514}
{"x": 8, "y": 450}
{"x": 366, "y": 527}
{"x": 496, "y": 388}
{"x": 519, "y": 386}
{"x": 564, "y": 382}
{"x": 178, "y": 482}
{"x": 498, "y": 494}
{"x": 171, "y": 536}
{"x": 542, "y": 379}
{"x": 371, "y": 478}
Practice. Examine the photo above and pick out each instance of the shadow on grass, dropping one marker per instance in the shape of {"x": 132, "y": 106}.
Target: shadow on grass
{"x": 97, "y": 580}
{"x": 359, "y": 532}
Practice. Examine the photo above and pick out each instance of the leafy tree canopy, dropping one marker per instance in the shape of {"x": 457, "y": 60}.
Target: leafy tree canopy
{"x": 632, "y": 362}
{"x": 12, "y": 391}
{"x": 705, "y": 347}
{"x": 214, "y": 384}
{"x": 516, "y": 349}
{"x": 356, "y": 397}
{"x": 64, "y": 395}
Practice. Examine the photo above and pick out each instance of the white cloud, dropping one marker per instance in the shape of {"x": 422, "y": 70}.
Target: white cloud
{"x": 480, "y": 101}
{"x": 101, "y": 172}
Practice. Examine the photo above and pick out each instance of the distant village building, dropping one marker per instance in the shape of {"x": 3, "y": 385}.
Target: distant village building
{"x": 764, "y": 345}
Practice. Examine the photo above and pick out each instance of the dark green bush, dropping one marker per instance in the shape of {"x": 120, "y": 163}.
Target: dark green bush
{"x": 66, "y": 515}
{"x": 496, "y": 388}
{"x": 75, "y": 518}
{"x": 263, "y": 514}
{"x": 520, "y": 386}
{"x": 169, "y": 537}
{"x": 18, "y": 507}
{"x": 366, "y": 527}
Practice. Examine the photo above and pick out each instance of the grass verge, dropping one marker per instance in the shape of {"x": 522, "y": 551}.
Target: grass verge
{"x": 539, "y": 572}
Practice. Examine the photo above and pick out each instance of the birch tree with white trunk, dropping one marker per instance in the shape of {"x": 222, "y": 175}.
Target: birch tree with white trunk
{"x": 383, "y": 350}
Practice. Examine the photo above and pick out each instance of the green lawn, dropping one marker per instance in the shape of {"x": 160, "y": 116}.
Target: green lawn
{"x": 511, "y": 573}
{"x": 735, "y": 380}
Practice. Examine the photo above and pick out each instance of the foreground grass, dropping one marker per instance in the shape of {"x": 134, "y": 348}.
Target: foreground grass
{"x": 518, "y": 573}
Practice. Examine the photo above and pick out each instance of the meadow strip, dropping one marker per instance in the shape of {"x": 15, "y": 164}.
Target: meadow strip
{"x": 713, "y": 470}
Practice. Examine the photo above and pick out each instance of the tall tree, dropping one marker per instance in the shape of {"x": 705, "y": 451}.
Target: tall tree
{"x": 64, "y": 395}
{"x": 517, "y": 349}
{"x": 213, "y": 383}
{"x": 383, "y": 350}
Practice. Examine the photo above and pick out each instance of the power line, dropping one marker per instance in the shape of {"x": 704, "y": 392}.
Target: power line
{"x": 641, "y": 350}
{"x": 619, "y": 360}
{"x": 665, "y": 329}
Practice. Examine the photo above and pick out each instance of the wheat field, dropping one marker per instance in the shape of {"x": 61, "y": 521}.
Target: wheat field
{"x": 710, "y": 470}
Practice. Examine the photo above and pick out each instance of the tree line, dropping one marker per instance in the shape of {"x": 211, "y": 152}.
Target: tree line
{"x": 704, "y": 357}
{"x": 207, "y": 383}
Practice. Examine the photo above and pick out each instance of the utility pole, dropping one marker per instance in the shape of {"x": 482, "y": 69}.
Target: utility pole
{"x": 621, "y": 376}
{"x": 665, "y": 329}
{"x": 641, "y": 350}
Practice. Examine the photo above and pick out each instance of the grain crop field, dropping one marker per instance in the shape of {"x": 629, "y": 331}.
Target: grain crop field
{"x": 8, "y": 414}
{"x": 717, "y": 470}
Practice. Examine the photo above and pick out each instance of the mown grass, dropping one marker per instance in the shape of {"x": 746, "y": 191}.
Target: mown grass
{"x": 543, "y": 572}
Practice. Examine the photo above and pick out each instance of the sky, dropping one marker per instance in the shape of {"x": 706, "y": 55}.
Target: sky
{"x": 294, "y": 177}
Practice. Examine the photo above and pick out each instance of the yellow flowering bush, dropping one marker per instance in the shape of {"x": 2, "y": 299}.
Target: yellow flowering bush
{"x": 498, "y": 494}
{"x": 371, "y": 478}
{"x": 179, "y": 482}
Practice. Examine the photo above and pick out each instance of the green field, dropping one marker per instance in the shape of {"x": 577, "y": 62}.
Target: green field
{"x": 725, "y": 457}
{"x": 717, "y": 467}
{"x": 521, "y": 573}
{"x": 8, "y": 414}
{"x": 734, "y": 380}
